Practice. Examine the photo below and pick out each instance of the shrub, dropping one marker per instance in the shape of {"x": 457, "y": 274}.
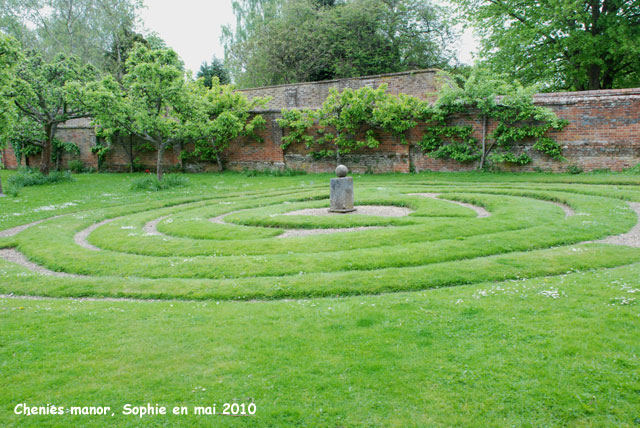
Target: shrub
{"x": 574, "y": 169}
{"x": 76, "y": 166}
{"x": 33, "y": 177}
{"x": 151, "y": 182}
{"x": 601, "y": 171}
{"x": 633, "y": 170}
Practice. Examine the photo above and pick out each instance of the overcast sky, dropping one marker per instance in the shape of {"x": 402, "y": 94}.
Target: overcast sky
{"x": 193, "y": 28}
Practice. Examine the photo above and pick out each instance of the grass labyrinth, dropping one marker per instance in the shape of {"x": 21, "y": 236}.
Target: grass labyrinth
{"x": 460, "y": 252}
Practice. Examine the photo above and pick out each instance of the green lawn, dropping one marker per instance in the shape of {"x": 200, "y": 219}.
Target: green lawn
{"x": 436, "y": 319}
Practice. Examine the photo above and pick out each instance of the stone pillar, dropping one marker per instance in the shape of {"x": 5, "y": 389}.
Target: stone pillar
{"x": 341, "y": 192}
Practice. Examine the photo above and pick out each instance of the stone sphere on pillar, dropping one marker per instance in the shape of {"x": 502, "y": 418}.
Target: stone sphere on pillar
{"x": 342, "y": 171}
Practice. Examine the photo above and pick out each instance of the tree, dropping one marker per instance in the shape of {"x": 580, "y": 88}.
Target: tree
{"x": 116, "y": 56}
{"x": 85, "y": 29}
{"x": 218, "y": 114}
{"x": 563, "y": 44}
{"x": 215, "y": 69}
{"x": 40, "y": 91}
{"x": 307, "y": 40}
{"x": 9, "y": 57}
{"x": 147, "y": 104}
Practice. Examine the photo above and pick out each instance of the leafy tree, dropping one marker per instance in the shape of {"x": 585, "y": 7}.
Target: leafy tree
{"x": 215, "y": 69}
{"x": 306, "y": 40}
{"x": 148, "y": 102}
{"x": 85, "y": 29}
{"x": 40, "y": 92}
{"x": 564, "y": 44}
{"x": 218, "y": 114}
{"x": 116, "y": 56}
{"x": 9, "y": 57}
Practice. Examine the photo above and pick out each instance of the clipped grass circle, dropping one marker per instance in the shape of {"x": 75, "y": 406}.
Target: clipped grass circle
{"x": 241, "y": 246}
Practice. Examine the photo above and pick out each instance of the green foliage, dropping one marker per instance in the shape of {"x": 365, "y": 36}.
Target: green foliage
{"x": 215, "y": 69}
{"x": 124, "y": 41}
{"x": 351, "y": 119}
{"x": 574, "y": 169}
{"x": 510, "y": 105}
{"x": 147, "y": 104}
{"x": 100, "y": 150}
{"x": 41, "y": 92}
{"x": 634, "y": 169}
{"x": 298, "y": 124}
{"x": 450, "y": 142}
{"x": 510, "y": 158}
{"x": 285, "y": 41}
{"x": 76, "y": 166}
{"x": 549, "y": 147}
{"x": 31, "y": 177}
{"x": 90, "y": 30}
{"x": 157, "y": 104}
{"x": 151, "y": 183}
{"x": 10, "y": 56}
{"x": 561, "y": 44}
{"x": 60, "y": 147}
{"x": 216, "y": 115}
{"x": 285, "y": 172}
{"x": 25, "y": 136}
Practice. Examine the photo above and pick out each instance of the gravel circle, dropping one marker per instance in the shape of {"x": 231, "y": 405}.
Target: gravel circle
{"x": 375, "y": 210}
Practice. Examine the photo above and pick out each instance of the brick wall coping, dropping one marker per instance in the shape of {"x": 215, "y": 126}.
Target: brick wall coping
{"x": 324, "y": 82}
{"x": 557, "y": 98}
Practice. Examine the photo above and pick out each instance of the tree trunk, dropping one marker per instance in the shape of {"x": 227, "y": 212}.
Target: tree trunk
{"x": 219, "y": 160}
{"x": 159, "y": 161}
{"x": 338, "y": 155}
{"x": 594, "y": 77}
{"x": 412, "y": 164}
{"x": 58, "y": 154}
{"x": 45, "y": 159}
{"x": 129, "y": 152}
{"x": 1, "y": 194}
{"x": 484, "y": 141}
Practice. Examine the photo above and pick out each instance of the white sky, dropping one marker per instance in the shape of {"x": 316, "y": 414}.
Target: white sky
{"x": 193, "y": 29}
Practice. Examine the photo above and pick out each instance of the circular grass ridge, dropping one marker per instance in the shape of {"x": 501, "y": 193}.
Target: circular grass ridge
{"x": 439, "y": 244}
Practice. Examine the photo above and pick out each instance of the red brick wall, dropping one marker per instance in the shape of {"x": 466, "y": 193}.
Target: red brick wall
{"x": 603, "y": 132}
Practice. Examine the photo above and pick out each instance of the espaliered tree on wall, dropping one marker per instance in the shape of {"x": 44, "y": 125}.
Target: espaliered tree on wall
{"x": 353, "y": 119}
{"x": 350, "y": 120}
{"x": 510, "y": 105}
{"x": 217, "y": 115}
